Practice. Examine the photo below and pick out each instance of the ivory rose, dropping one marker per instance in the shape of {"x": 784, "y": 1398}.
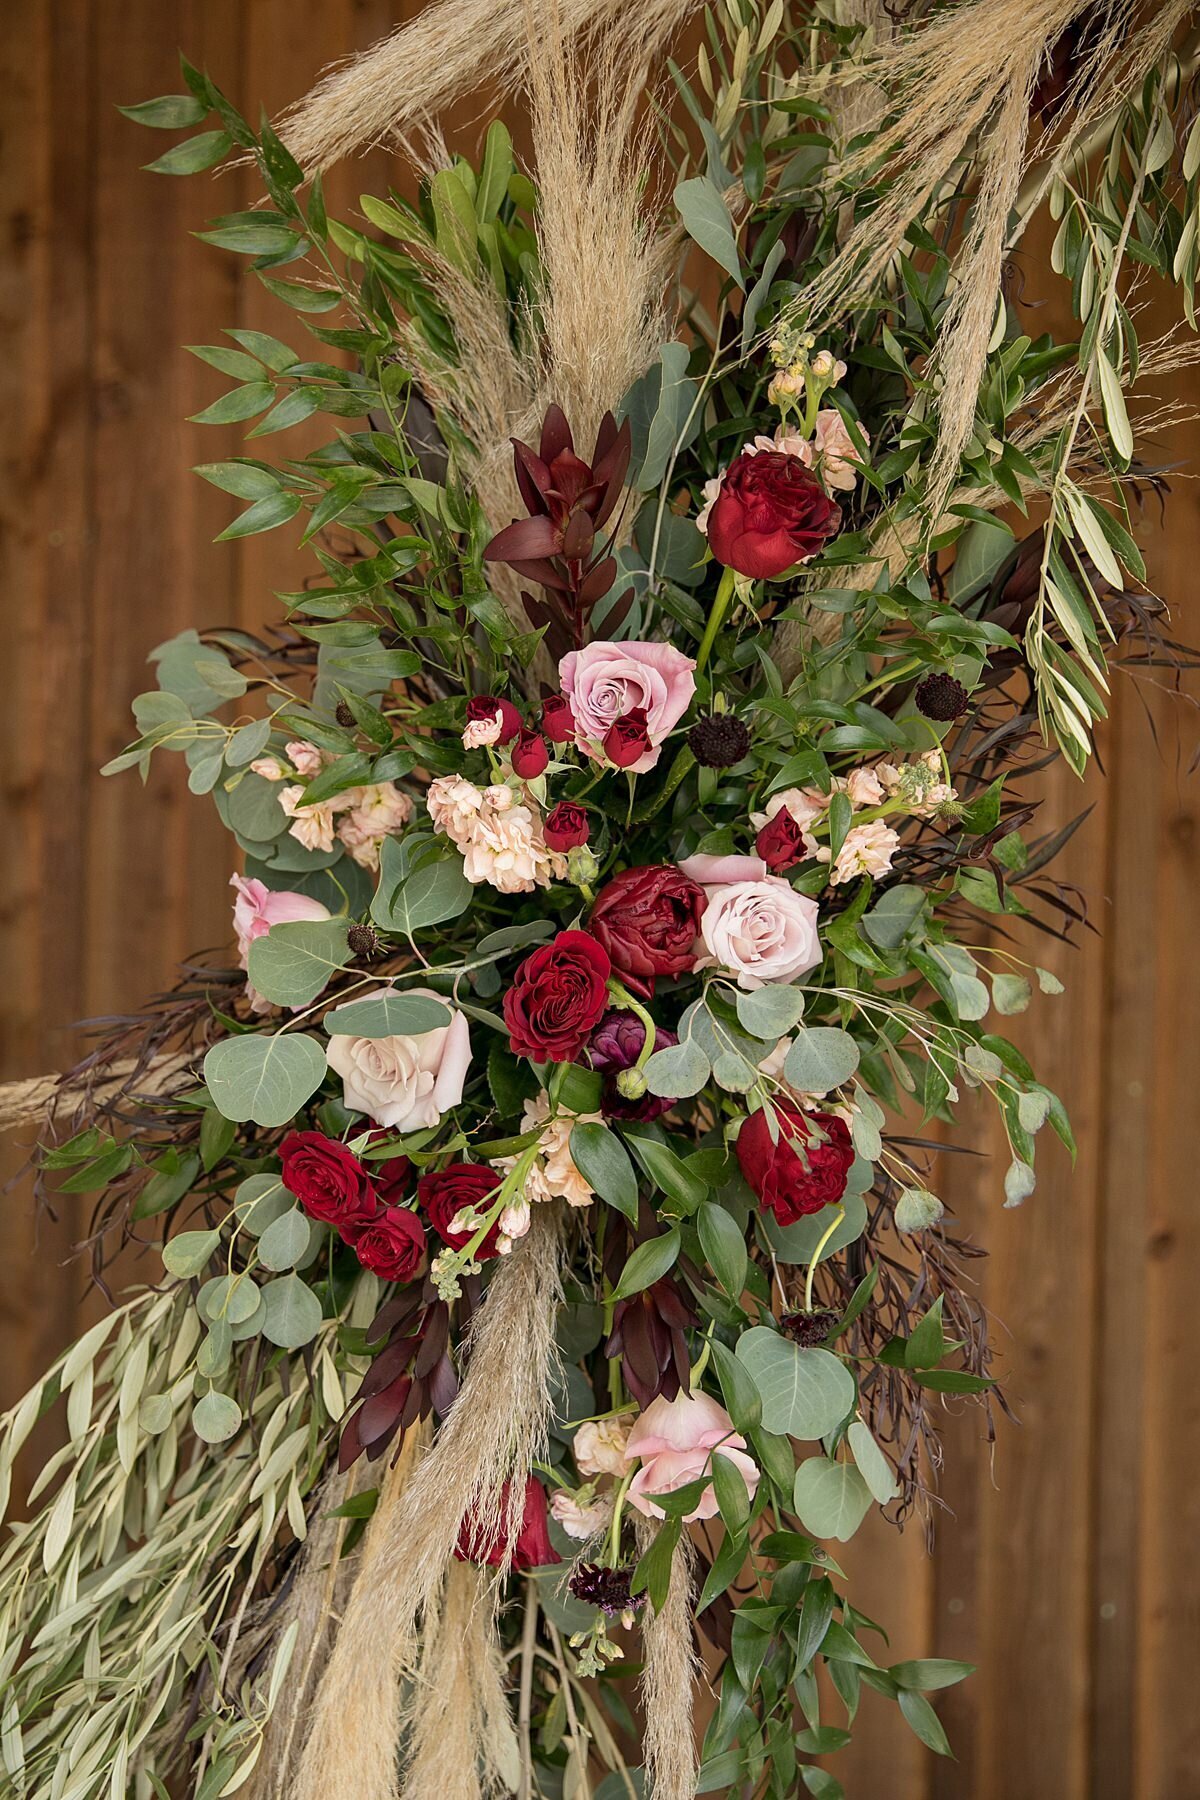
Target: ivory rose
{"x": 754, "y": 923}
{"x": 676, "y": 1440}
{"x": 603, "y": 682}
{"x": 405, "y": 1083}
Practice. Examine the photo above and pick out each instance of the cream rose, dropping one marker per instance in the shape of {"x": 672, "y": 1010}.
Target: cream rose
{"x": 759, "y": 928}
{"x": 405, "y": 1083}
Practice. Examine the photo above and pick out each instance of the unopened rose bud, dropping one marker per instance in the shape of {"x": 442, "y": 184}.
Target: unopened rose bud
{"x": 632, "y": 1084}
{"x": 916, "y": 1210}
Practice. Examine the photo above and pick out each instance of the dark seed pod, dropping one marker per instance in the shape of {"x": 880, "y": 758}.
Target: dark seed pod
{"x": 364, "y": 941}
{"x": 343, "y": 715}
{"x": 718, "y": 741}
{"x": 606, "y": 1588}
{"x": 940, "y": 696}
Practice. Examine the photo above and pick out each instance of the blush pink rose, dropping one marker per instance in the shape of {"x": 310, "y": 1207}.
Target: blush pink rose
{"x": 756, "y": 924}
{"x": 256, "y": 908}
{"x": 606, "y": 682}
{"x": 676, "y": 1440}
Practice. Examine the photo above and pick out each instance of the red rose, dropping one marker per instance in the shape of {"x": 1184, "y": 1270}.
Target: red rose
{"x": 444, "y": 1194}
{"x": 486, "y": 706}
{"x": 566, "y": 827}
{"x": 770, "y": 513}
{"x": 781, "y": 843}
{"x": 479, "y": 1540}
{"x": 648, "y": 920}
{"x": 329, "y": 1182}
{"x": 802, "y": 1172}
{"x": 556, "y": 997}
{"x": 627, "y": 738}
{"x": 393, "y": 1245}
{"x": 529, "y": 754}
{"x": 558, "y": 721}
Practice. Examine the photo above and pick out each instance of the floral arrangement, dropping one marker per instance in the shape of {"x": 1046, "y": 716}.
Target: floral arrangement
{"x": 546, "y": 1277}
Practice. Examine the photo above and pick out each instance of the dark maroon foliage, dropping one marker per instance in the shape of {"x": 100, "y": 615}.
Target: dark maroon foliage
{"x": 559, "y": 546}
{"x": 649, "y": 1330}
{"x": 410, "y": 1377}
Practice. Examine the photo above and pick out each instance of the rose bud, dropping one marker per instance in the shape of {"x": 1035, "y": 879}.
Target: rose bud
{"x": 627, "y": 739}
{"x": 558, "y": 721}
{"x": 486, "y": 706}
{"x": 447, "y": 1192}
{"x": 557, "y": 996}
{"x": 802, "y": 1171}
{"x": 328, "y": 1180}
{"x": 530, "y": 754}
{"x": 393, "y": 1246}
{"x": 771, "y": 513}
{"x": 648, "y": 919}
{"x": 781, "y": 843}
{"x": 566, "y": 827}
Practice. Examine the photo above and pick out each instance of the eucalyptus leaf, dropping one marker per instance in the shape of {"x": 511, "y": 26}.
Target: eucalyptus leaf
{"x": 391, "y": 1014}
{"x": 771, "y": 1011}
{"x": 293, "y": 962}
{"x": 805, "y": 1393}
{"x": 189, "y": 1251}
{"x": 821, "y": 1058}
{"x": 873, "y": 1465}
{"x": 264, "y": 1078}
{"x": 285, "y": 1240}
{"x": 678, "y": 1071}
{"x": 293, "y": 1313}
{"x": 216, "y": 1417}
{"x": 831, "y": 1498}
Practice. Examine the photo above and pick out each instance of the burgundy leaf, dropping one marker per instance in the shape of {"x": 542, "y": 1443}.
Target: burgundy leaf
{"x": 556, "y": 434}
{"x": 523, "y": 541}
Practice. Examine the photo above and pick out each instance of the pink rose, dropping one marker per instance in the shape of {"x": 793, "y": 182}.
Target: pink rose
{"x": 755, "y": 925}
{"x": 606, "y": 682}
{"x": 258, "y": 907}
{"x": 676, "y": 1440}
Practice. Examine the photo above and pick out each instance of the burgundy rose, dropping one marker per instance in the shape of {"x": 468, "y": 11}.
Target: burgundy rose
{"x": 771, "y": 512}
{"x": 627, "y": 739}
{"x": 566, "y": 827}
{"x": 443, "y": 1194}
{"x": 486, "y": 706}
{"x": 558, "y": 721}
{"x": 328, "y": 1180}
{"x": 530, "y": 754}
{"x": 556, "y": 997}
{"x": 781, "y": 842}
{"x": 648, "y": 919}
{"x": 479, "y": 1539}
{"x": 393, "y": 1245}
{"x": 801, "y": 1172}
{"x": 615, "y": 1045}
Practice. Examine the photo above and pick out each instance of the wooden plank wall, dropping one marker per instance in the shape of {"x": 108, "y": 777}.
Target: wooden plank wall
{"x": 1066, "y": 1563}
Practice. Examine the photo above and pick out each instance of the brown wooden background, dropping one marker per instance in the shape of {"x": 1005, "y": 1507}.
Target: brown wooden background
{"x": 1067, "y": 1565}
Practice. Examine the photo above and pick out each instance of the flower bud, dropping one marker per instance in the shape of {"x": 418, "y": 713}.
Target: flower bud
{"x": 632, "y": 1084}
{"x": 582, "y": 867}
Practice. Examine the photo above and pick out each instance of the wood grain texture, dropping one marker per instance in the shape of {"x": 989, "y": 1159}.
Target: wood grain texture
{"x": 1065, "y": 1564}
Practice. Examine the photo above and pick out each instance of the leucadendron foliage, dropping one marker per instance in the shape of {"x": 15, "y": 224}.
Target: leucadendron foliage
{"x": 637, "y": 852}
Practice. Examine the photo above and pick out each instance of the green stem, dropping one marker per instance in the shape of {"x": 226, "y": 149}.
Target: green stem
{"x": 614, "y": 1535}
{"x": 824, "y": 1238}
{"x": 720, "y": 607}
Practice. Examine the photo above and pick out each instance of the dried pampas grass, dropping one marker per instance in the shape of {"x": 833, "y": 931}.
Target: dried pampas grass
{"x": 668, "y": 1681}
{"x": 462, "y": 1736}
{"x": 962, "y": 85}
{"x": 453, "y": 50}
{"x": 495, "y": 1432}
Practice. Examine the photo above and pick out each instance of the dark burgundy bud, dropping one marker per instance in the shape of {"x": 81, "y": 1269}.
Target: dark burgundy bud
{"x": 486, "y": 706}
{"x": 609, "y": 1589}
{"x": 530, "y": 755}
{"x": 627, "y": 739}
{"x": 808, "y": 1330}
